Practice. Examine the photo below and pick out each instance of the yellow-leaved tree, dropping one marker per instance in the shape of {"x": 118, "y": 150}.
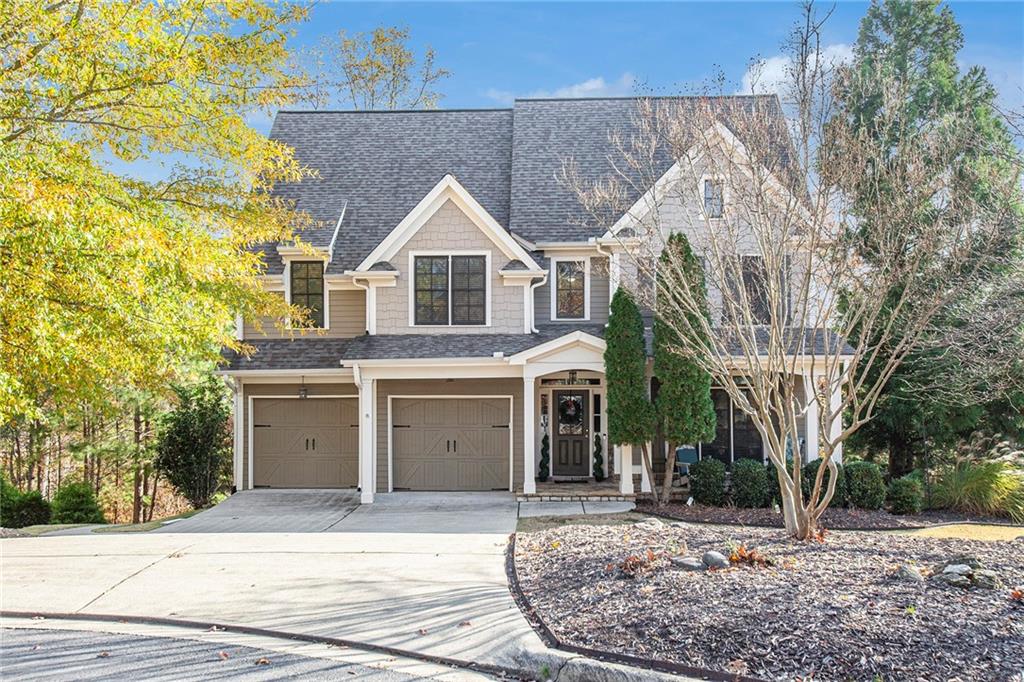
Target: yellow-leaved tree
{"x": 107, "y": 279}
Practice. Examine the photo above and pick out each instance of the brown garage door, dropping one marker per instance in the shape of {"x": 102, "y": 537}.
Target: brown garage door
{"x": 450, "y": 443}
{"x": 310, "y": 443}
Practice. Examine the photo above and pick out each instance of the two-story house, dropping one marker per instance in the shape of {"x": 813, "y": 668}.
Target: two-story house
{"x": 462, "y": 303}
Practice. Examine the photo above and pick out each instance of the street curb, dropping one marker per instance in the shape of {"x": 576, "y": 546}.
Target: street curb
{"x": 495, "y": 670}
{"x": 614, "y": 666}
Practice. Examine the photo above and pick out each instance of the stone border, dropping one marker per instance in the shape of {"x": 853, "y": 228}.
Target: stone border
{"x": 495, "y": 670}
{"x": 551, "y": 640}
{"x": 885, "y": 529}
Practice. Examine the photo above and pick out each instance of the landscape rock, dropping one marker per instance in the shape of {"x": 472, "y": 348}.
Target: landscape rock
{"x": 986, "y": 579}
{"x": 959, "y": 569}
{"x": 688, "y": 563}
{"x": 953, "y": 580}
{"x": 910, "y": 573}
{"x": 713, "y": 559}
{"x": 959, "y": 560}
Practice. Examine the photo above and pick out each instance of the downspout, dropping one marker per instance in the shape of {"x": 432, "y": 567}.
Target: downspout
{"x": 366, "y": 288}
{"x": 533, "y": 302}
{"x": 608, "y": 255}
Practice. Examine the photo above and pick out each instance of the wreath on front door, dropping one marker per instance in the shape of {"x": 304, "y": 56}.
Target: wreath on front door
{"x": 568, "y": 410}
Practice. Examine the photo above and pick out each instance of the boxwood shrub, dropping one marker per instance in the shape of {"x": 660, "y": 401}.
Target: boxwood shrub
{"x": 906, "y": 496}
{"x": 749, "y": 483}
{"x": 810, "y": 470}
{"x": 707, "y": 482}
{"x": 75, "y": 503}
{"x": 18, "y": 509}
{"x": 864, "y": 485}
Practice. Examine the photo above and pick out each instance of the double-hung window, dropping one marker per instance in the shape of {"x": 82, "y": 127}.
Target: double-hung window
{"x": 755, "y": 288}
{"x": 714, "y": 199}
{"x": 570, "y": 290}
{"x": 450, "y": 290}
{"x": 307, "y": 289}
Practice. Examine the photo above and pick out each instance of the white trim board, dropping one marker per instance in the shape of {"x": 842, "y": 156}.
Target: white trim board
{"x": 249, "y": 424}
{"x": 511, "y": 430}
{"x": 447, "y": 189}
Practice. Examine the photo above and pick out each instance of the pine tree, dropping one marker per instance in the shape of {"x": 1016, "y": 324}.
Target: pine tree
{"x": 631, "y": 418}
{"x": 684, "y": 408}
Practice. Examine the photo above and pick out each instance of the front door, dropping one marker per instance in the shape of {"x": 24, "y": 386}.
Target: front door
{"x": 572, "y": 435}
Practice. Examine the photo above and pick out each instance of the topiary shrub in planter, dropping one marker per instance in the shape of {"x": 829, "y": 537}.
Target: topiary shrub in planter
{"x": 598, "y": 458}
{"x": 707, "y": 482}
{"x": 544, "y": 470}
{"x": 810, "y": 470}
{"x": 864, "y": 485}
{"x": 749, "y": 484}
{"x": 905, "y": 495}
{"x": 75, "y": 503}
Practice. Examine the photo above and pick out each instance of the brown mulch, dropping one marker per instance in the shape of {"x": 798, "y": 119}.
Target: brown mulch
{"x": 827, "y": 611}
{"x": 835, "y": 518}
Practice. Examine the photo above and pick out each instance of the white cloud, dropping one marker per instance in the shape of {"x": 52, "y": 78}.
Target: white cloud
{"x": 774, "y": 74}
{"x": 623, "y": 86}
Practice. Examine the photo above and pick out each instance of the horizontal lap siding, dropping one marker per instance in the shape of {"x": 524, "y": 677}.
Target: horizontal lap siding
{"x": 440, "y": 388}
{"x": 347, "y": 318}
{"x": 256, "y": 390}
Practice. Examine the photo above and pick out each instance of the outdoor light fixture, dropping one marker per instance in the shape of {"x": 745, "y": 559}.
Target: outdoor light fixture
{"x": 572, "y": 376}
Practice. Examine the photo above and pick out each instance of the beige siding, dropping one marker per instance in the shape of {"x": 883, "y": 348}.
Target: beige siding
{"x": 598, "y": 296}
{"x": 256, "y": 390}
{"x": 441, "y": 388}
{"x": 449, "y": 229}
{"x": 347, "y": 317}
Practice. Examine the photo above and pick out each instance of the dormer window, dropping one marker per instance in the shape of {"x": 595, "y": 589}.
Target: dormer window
{"x": 569, "y": 293}
{"x": 307, "y": 289}
{"x": 713, "y": 198}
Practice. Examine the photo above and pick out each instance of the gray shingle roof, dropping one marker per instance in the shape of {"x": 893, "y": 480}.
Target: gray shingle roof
{"x": 383, "y": 266}
{"x": 515, "y": 265}
{"x": 307, "y": 353}
{"x": 383, "y": 163}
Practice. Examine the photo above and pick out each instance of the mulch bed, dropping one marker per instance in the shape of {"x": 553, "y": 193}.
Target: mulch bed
{"x": 829, "y": 611}
{"x": 834, "y": 518}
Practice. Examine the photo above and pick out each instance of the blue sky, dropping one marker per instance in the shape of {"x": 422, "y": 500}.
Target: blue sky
{"x": 500, "y": 50}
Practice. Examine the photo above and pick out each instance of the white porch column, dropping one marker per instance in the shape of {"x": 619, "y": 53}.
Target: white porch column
{"x": 529, "y": 434}
{"x": 238, "y": 416}
{"x": 626, "y": 474}
{"x": 367, "y": 439}
{"x": 811, "y": 418}
{"x": 836, "y": 427}
{"x": 645, "y": 480}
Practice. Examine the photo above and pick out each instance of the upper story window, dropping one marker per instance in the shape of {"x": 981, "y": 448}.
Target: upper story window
{"x": 570, "y": 290}
{"x": 713, "y": 198}
{"x": 755, "y": 285}
{"x": 450, "y": 290}
{"x": 307, "y": 289}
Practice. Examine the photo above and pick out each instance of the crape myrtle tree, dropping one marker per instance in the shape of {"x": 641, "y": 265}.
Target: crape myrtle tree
{"x": 631, "y": 418}
{"x": 781, "y": 196}
{"x": 685, "y": 412}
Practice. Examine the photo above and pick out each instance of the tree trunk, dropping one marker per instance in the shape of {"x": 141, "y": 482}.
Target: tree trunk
{"x": 152, "y": 498}
{"x": 670, "y": 468}
{"x": 901, "y": 457}
{"x": 137, "y": 473}
{"x": 645, "y": 455}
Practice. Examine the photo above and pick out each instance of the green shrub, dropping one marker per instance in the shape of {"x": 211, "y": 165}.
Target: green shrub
{"x": 75, "y": 503}
{"x": 707, "y": 482}
{"x": 906, "y": 496}
{"x": 865, "y": 487}
{"x": 810, "y": 470}
{"x": 749, "y": 484}
{"x": 981, "y": 488}
{"x": 18, "y": 510}
{"x": 774, "y": 492}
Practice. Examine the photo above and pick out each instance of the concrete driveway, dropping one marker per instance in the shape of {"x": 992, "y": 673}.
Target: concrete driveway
{"x": 410, "y": 571}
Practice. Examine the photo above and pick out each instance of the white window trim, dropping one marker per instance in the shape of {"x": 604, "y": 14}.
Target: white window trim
{"x": 288, "y": 293}
{"x": 449, "y": 253}
{"x": 725, "y": 196}
{"x": 553, "y": 278}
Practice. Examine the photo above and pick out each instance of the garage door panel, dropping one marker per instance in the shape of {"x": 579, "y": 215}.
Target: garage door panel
{"x": 450, "y": 444}
{"x": 311, "y": 443}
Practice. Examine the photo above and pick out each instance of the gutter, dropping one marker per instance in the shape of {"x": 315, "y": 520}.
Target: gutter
{"x": 533, "y": 302}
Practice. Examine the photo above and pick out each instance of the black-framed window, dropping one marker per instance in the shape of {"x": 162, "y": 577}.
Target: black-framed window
{"x": 469, "y": 290}
{"x": 755, "y": 285}
{"x": 307, "y": 289}
{"x": 570, "y": 290}
{"x": 450, "y": 290}
{"x": 713, "y": 198}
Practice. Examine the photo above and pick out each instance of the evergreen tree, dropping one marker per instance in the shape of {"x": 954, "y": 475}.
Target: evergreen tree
{"x": 917, "y": 43}
{"x": 684, "y": 408}
{"x": 631, "y": 418}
